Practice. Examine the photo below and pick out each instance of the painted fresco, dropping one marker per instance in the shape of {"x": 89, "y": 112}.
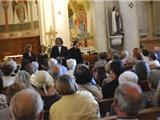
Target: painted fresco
{"x": 80, "y": 23}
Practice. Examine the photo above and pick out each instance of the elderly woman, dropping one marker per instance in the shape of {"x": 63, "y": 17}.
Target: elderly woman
{"x": 153, "y": 81}
{"x": 43, "y": 82}
{"x": 71, "y": 64}
{"x": 14, "y": 66}
{"x": 108, "y": 89}
{"x": 153, "y": 63}
{"x": 84, "y": 77}
{"x": 66, "y": 107}
{"x": 23, "y": 77}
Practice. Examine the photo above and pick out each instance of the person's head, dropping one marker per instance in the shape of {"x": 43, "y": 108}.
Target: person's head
{"x": 7, "y": 69}
{"x": 136, "y": 51}
{"x": 28, "y": 48}
{"x": 102, "y": 56}
{"x": 58, "y": 41}
{"x": 52, "y": 62}
{"x": 71, "y": 64}
{"x": 128, "y": 76}
{"x": 35, "y": 66}
{"x": 115, "y": 56}
{"x": 145, "y": 52}
{"x": 42, "y": 49}
{"x": 26, "y": 105}
{"x": 128, "y": 100}
{"x": 142, "y": 69}
{"x": 42, "y": 80}
{"x": 13, "y": 89}
{"x": 124, "y": 54}
{"x": 115, "y": 69}
{"x": 76, "y": 43}
{"x": 153, "y": 79}
{"x": 65, "y": 85}
{"x": 114, "y": 8}
{"x": 82, "y": 74}
{"x": 29, "y": 68}
{"x": 153, "y": 56}
{"x": 13, "y": 64}
{"x": 23, "y": 77}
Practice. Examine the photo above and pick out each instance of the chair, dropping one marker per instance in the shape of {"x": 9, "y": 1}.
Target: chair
{"x": 149, "y": 114}
{"x": 104, "y": 106}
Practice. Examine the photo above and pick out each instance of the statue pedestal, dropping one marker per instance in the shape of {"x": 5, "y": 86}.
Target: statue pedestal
{"x": 116, "y": 41}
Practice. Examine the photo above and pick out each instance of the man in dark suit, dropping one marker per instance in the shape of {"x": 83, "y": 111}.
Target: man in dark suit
{"x": 59, "y": 51}
{"x": 75, "y": 52}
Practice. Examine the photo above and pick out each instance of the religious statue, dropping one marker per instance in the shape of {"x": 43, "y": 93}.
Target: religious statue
{"x": 116, "y": 22}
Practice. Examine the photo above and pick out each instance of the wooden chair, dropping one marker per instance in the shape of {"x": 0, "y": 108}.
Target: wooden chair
{"x": 149, "y": 114}
{"x": 104, "y": 106}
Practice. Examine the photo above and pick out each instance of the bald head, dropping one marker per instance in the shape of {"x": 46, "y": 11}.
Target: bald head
{"x": 129, "y": 98}
{"x": 26, "y": 105}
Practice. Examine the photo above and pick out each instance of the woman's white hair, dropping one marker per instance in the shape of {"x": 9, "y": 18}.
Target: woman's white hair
{"x": 52, "y": 62}
{"x": 71, "y": 63}
{"x": 13, "y": 64}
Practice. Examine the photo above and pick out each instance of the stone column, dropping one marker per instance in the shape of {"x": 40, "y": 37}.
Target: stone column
{"x": 130, "y": 24}
{"x": 100, "y": 25}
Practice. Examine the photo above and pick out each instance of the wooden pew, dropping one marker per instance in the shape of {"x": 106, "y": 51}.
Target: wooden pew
{"x": 145, "y": 114}
{"x": 105, "y": 105}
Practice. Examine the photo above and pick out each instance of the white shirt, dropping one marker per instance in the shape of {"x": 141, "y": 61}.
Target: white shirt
{"x": 154, "y": 62}
{"x": 59, "y": 49}
{"x": 7, "y": 81}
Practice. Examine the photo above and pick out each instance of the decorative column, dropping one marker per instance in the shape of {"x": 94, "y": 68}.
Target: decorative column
{"x": 130, "y": 24}
{"x": 100, "y": 25}
{"x": 61, "y": 20}
{"x": 5, "y": 5}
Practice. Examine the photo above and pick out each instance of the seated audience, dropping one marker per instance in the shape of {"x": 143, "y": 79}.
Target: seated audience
{"x": 26, "y": 105}
{"x": 23, "y": 77}
{"x": 153, "y": 63}
{"x": 14, "y": 66}
{"x": 127, "y": 76}
{"x": 43, "y": 82}
{"x": 4, "y": 109}
{"x": 128, "y": 100}
{"x": 35, "y": 66}
{"x": 84, "y": 77}
{"x": 74, "y": 104}
{"x": 42, "y": 58}
{"x": 54, "y": 69}
{"x": 28, "y": 55}
{"x": 71, "y": 64}
{"x": 99, "y": 68}
{"x": 153, "y": 80}
{"x": 108, "y": 89}
{"x": 29, "y": 68}
{"x": 7, "y": 78}
{"x": 142, "y": 70}
{"x": 145, "y": 56}
{"x": 62, "y": 67}
{"x": 124, "y": 57}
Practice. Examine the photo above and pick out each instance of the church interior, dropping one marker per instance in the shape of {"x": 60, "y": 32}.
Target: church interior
{"x": 79, "y": 60}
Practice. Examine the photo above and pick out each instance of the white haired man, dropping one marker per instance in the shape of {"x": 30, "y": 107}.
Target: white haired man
{"x": 128, "y": 100}
{"x": 26, "y": 105}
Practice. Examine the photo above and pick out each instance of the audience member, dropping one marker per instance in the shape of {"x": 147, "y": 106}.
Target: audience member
{"x": 23, "y": 77}
{"x": 26, "y": 105}
{"x": 14, "y": 66}
{"x": 4, "y": 109}
{"x": 75, "y": 52}
{"x": 142, "y": 70}
{"x": 153, "y": 80}
{"x": 84, "y": 77}
{"x": 35, "y": 66}
{"x": 127, "y": 76}
{"x": 62, "y": 67}
{"x": 128, "y": 100}
{"x": 7, "y": 78}
{"x": 153, "y": 63}
{"x": 108, "y": 89}
{"x": 145, "y": 56}
{"x": 28, "y": 55}
{"x": 58, "y": 50}
{"x": 42, "y": 58}
{"x": 66, "y": 107}
{"x": 124, "y": 57}
{"x": 43, "y": 82}
{"x": 71, "y": 64}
